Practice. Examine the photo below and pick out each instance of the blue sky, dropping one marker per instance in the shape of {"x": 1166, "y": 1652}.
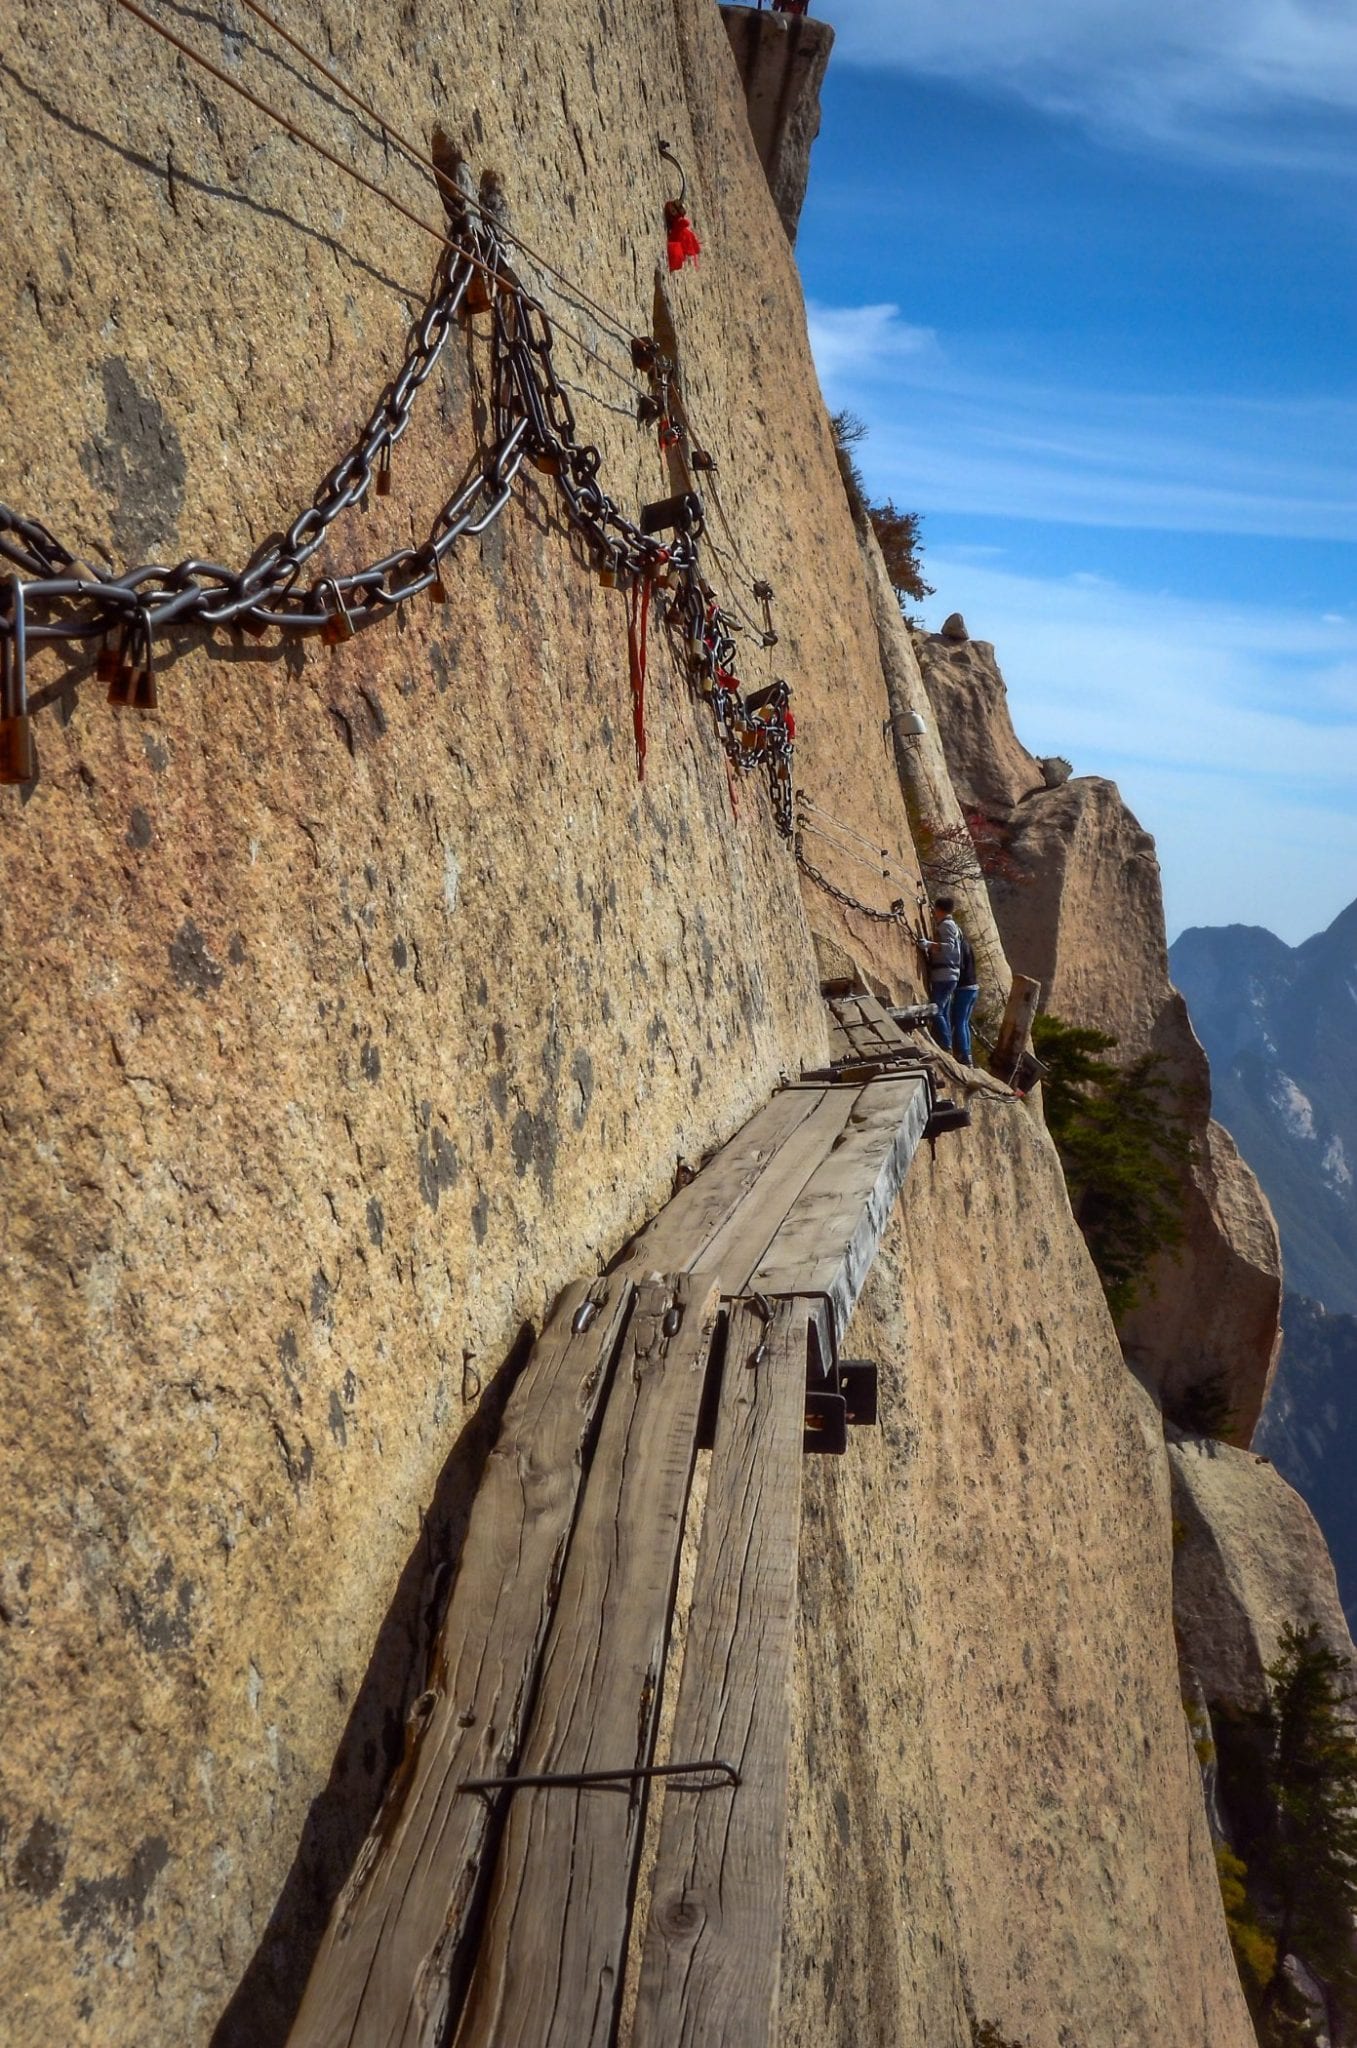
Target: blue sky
{"x": 1087, "y": 272}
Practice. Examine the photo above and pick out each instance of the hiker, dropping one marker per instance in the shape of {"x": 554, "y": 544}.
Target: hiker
{"x": 943, "y": 952}
{"x": 963, "y": 1002}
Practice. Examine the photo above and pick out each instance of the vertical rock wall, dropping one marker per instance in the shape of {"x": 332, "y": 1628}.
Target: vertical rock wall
{"x": 997, "y": 1810}
{"x": 782, "y": 60}
{"x": 361, "y": 995}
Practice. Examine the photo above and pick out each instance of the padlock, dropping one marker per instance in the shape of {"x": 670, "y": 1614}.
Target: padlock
{"x": 546, "y": 461}
{"x": 477, "y": 297}
{"x": 338, "y": 625}
{"x": 438, "y": 591}
{"x": 18, "y": 763}
{"x": 768, "y": 703}
{"x": 643, "y": 352}
{"x": 122, "y": 682}
{"x": 106, "y": 667}
{"x": 701, "y": 459}
{"x": 609, "y": 570}
{"x": 145, "y": 696}
{"x": 384, "y": 471}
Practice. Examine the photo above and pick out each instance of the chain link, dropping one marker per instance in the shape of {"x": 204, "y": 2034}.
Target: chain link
{"x": 897, "y": 914}
{"x": 53, "y": 596}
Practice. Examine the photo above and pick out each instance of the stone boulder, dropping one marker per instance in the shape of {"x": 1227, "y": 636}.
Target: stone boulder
{"x": 1250, "y": 1559}
{"x": 990, "y": 767}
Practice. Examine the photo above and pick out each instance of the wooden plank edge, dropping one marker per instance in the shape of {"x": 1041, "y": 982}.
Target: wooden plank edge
{"x": 711, "y": 1958}
{"x": 347, "y": 2000}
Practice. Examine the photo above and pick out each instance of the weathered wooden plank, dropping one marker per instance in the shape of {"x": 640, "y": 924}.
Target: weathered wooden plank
{"x": 713, "y": 1945}
{"x": 685, "y": 1226}
{"x": 737, "y": 1248}
{"x": 549, "y": 1973}
{"x": 862, "y": 1027}
{"x": 830, "y": 1236}
{"x": 396, "y": 1954}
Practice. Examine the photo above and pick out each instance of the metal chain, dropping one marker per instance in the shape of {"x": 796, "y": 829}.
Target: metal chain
{"x": 897, "y": 914}
{"x": 53, "y": 596}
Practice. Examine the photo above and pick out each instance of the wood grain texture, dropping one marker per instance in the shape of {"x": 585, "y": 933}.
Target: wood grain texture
{"x": 687, "y": 1224}
{"x": 829, "y": 1237}
{"x": 549, "y": 1973}
{"x": 396, "y": 1953}
{"x": 737, "y": 1248}
{"x": 710, "y": 1965}
{"x": 861, "y": 1028}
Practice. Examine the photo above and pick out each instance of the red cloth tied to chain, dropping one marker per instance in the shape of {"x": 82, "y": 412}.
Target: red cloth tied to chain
{"x": 684, "y": 246}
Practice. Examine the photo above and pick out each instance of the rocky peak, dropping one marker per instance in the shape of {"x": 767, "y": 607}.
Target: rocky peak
{"x": 1086, "y": 920}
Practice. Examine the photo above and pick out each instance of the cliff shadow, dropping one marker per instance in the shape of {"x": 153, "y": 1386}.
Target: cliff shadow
{"x": 264, "y": 2004}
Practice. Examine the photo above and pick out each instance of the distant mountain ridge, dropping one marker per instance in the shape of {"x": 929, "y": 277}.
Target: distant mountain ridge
{"x": 1279, "y": 1024}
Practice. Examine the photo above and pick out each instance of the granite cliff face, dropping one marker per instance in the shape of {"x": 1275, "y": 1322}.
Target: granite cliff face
{"x": 1088, "y": 923}
{"x": 995, "y": 1769}
{"x": 361, "y": 995}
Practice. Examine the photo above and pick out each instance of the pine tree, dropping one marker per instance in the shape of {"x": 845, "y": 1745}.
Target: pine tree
{"x": 1311, "y": 1864}
{"x": 1125, "y": 1146}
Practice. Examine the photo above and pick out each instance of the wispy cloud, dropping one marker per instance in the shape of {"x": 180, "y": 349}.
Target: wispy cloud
{"x": 949, "y": 439}
{"x": 857, "y": 341}
{"x": 1202, "y": 76}
{"x": 1231, "y": 729}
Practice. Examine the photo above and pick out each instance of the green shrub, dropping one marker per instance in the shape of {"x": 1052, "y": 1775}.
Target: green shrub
{"x": 1206, "y": 1408}
{"x": 1125, "y": 1144}
{"x": 1255, "y": 1952}
{"x": 1199, "y": 1722}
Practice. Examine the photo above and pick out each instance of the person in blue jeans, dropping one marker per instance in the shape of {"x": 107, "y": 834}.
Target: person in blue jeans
{"x": 943, "y": 951}
{"x": 963, "y": 1002}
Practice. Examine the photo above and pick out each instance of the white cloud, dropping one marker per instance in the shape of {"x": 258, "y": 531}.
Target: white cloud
{"x": 1154, "y": 68}
{"x": 853, "y": 341}
{"x": 951, "y": 440}
{"x": 1231, "y": 730}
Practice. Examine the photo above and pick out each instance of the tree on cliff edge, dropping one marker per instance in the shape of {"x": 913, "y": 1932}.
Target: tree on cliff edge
{"x": 1310, "y": 1864}
{"x": 1125, "y": 1145}
{"x": 898, "y": 533}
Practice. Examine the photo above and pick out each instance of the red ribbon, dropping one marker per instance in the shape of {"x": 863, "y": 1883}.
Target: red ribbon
{"x": 684, "y": 246}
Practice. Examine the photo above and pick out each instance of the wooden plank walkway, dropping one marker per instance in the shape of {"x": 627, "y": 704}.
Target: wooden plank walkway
{"x": 810, "y": 1219}
{"x": 395, "y": 1956}
{"x": 713, "y": 1947}
{"x": 826, "y": 1242}
{"x": 503, "y": 1918}
{"x": 551, "y": 1966}
{"x": 860, "y": 1029}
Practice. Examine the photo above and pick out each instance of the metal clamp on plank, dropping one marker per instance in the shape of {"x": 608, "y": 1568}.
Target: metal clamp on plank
{"x": 629, "y": 1775}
